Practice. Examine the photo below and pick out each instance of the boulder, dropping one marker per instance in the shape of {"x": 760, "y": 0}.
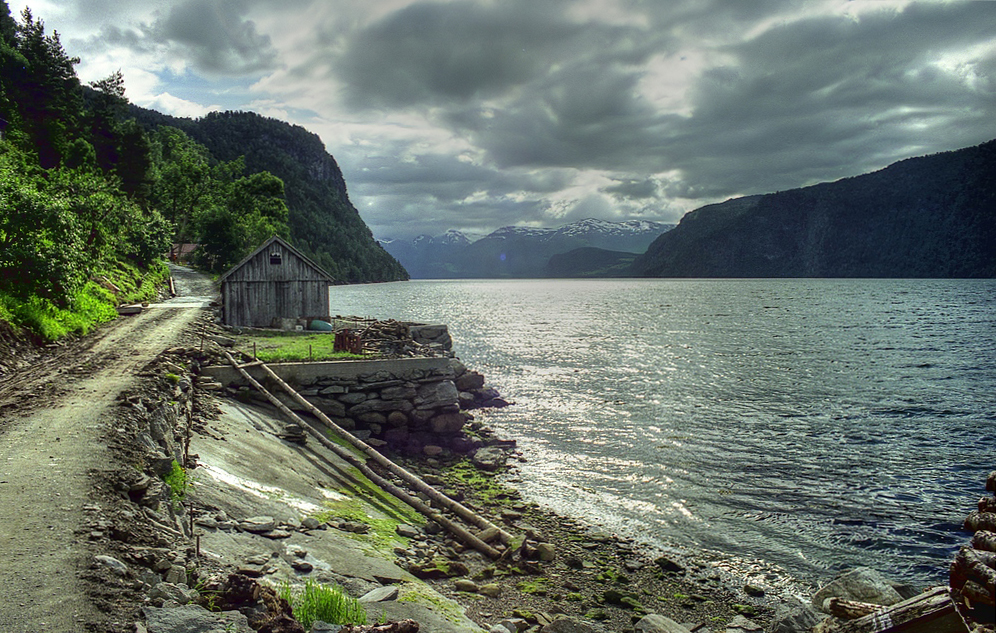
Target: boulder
{"x": 467, "y": 586}
{"x": 740, "y": 624}
{"x": 258, "y": 525}
{"x": 437, "y": 394}
{"x": 795, "y": 616}
{"x": 113, "y": 564}
{"x": 448, "y": 423}
{"x": 668, "y": 564}
{"x": 546, "y": 552}
{"x": 654, "y": 623}
{"x": 489, "y": 458}
{"x": 169, "y": 592}
{"x": 193, "y": 618}
{"x": 470, "y": 380}
{"x": 380, "y": 594}
{"x": 861, "y": 584}
{"x": 569, "y": 625}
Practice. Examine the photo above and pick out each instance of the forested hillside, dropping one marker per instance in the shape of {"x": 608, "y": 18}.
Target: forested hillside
{"x": 79, "y": 232}
{"x": 322, "y": 221}
{"x": 933, "y": 216}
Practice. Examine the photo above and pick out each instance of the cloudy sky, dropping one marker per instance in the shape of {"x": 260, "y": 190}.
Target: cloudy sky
{"x": 476, "y": 114}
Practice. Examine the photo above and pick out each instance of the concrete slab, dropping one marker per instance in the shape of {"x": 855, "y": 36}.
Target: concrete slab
{"x": 246, "y": 471}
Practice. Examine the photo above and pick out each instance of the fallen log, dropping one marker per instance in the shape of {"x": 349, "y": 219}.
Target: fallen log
{"x": 976, "y": 521}
{"x": 987, "y": 504}
{"x": 985, "y": 541}
{"x": 930, "y": 612}
{"x": 459, "y": 532}
{"x": 978, "y": 566}
{"x": 417, "y": 484}
{"x": 976, "y": 593}
{"x": 848, "y": 609}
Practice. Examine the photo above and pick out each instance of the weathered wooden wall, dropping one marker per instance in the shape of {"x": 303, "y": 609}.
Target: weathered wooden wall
{"x": 257, "y": 292}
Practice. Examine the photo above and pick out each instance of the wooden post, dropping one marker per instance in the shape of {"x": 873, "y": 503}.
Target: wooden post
{"x": 254, "y": 351}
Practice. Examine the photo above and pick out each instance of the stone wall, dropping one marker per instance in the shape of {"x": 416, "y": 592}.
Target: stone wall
{"x": 413, "y": 406}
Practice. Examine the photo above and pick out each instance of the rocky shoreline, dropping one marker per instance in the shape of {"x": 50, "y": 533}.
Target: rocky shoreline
{"x": 144, "y": 561}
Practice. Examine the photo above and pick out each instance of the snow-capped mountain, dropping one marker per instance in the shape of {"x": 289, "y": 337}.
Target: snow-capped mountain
{"x": 516, "y": 251}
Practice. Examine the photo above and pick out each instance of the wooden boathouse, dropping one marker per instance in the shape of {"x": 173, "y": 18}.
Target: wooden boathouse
{"x": 275, "y": 282}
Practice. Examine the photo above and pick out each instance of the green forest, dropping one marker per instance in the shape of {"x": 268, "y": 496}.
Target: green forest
{"x": 94, "y": 192}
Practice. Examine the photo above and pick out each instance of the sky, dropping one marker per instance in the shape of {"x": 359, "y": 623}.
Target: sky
{"x": 478, "y": 114}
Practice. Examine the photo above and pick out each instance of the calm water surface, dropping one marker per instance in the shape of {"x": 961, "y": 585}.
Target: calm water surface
{"x": 810, "y": 425}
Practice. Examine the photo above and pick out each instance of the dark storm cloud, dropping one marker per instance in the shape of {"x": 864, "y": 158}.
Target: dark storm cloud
{"x": 633, "y": 189}
{"x": 428, "y": 52}
{"x": 812, "y": 99}
{"x": 584, "y": 116}
{"x": 833, "y": 96}
{"x": 216, "y": 36}
{"x": 447, "y": 179}
{"x": 445, "y": 53}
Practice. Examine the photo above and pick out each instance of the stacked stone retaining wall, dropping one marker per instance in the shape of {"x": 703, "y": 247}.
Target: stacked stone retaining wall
{"x": 413, "y": 405}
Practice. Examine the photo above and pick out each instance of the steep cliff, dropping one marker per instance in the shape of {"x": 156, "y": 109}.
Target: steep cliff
{"x": 932, "y": 216}
{"x": 323, "y": 222}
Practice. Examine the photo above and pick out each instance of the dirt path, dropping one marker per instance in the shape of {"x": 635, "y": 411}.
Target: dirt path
{"x": 51, "y": 419}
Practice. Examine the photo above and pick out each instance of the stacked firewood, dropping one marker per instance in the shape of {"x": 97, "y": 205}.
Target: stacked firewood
{"x": 973, "y": 572}
{"x": 390, "y": 338}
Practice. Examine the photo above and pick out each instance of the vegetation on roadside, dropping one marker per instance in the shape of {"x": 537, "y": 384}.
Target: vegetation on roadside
{"x": 280, "y": 347}
{"x": 325, "y": 603}
{"x": 178, "y": 482}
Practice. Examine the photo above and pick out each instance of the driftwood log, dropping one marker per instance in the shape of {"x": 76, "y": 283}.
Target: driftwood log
{"x": 459, "y": 532}
{"x": 849, "y": 609}
{"x": 985, "y": 541}
{"x": 931, "y": 612}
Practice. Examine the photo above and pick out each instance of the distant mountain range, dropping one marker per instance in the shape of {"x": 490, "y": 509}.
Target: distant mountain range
{"x": 932, "y": 216}
{"x": 513, "y": 251}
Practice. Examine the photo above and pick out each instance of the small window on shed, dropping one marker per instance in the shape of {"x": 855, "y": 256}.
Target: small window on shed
{"x": 275, "y": 258}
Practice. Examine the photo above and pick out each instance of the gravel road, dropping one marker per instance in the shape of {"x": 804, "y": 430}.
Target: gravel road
{"x": 51, "y": 419}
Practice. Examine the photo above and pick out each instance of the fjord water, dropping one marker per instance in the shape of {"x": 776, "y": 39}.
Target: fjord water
{"x": 800, "y": 426}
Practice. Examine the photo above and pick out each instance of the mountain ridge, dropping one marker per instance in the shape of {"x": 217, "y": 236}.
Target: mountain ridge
{"x": 924, "y": 217}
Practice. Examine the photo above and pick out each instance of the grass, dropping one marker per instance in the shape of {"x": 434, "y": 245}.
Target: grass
{"x": 90, "y": 307}
{"x": 279, "y": 347}
{"x": 327, "y": 603}
{"x": 383, "y": 535}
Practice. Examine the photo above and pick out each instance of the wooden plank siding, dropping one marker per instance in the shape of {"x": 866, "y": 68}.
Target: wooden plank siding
{"x": 275, "y": 281}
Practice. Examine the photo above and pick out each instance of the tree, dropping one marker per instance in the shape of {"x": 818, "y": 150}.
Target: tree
{"x": 48, "y": 94}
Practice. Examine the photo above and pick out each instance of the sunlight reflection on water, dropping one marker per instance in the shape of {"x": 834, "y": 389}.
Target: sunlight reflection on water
{"x": 806, "y": 423}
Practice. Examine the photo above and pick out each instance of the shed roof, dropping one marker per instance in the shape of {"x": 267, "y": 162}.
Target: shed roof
{"x": 282, "y": 242}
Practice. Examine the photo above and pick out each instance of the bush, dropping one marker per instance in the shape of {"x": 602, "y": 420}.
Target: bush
{"x": 328, "y": 603}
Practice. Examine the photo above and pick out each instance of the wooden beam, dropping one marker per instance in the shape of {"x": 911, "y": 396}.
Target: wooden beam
{"x": 345, "y": 454}
{"x": 417, "y": 484}
{"x": 931, "y": 612}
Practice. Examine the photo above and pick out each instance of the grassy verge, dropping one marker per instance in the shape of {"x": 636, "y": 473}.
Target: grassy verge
{"x": 93, "y": 304}
{"x": 278, "y": 347}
